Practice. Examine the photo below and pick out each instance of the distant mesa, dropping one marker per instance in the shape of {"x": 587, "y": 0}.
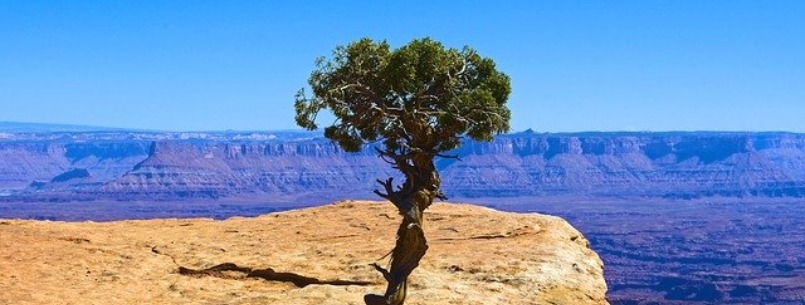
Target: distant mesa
{"x": 70, "y": 179}
{"x": 77, "y": 173}
{"x": 133, "y": 166}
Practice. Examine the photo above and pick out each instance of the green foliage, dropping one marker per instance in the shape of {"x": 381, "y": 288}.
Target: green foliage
{"x": 420, "y": 97}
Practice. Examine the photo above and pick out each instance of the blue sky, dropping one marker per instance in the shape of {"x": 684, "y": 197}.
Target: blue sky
{"x": 575, "y": 65}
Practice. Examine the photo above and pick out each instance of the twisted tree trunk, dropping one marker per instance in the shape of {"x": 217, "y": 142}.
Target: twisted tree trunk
{"x": 414, "y": 196}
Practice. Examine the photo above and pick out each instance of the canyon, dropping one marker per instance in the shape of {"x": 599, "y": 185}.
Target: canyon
{"x": 677, "y": 217}
{"x": 154, "y": 166}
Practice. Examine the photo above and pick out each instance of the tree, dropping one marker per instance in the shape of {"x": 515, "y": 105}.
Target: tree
{"x": 419, "y": 101}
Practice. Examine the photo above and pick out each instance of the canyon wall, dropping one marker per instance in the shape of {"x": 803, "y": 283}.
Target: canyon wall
{"x": 672, "y": 164}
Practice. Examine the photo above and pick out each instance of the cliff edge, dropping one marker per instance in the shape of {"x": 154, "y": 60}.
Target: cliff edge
{"x": 311, "y": 256}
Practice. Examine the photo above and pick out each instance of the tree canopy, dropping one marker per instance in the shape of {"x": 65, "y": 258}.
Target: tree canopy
{"x": 421, "y": 96}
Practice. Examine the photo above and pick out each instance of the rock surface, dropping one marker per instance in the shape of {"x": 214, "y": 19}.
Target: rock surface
{"x": 476, "y": 256}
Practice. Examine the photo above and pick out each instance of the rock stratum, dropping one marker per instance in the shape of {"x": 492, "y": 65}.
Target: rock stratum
{"x": 310, "y": 256}
{"x": 123, "y": 166}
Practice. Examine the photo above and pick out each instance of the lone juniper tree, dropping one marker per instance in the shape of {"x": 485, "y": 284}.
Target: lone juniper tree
{"x": 416, "y": 103}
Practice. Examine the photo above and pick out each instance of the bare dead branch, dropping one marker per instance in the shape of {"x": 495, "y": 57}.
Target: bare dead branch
{"x": 383, "y": 271}
{"x": 387, "y": 185}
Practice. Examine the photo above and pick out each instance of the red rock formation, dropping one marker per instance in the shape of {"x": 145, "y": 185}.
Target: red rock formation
{"x": 677, "y": 165}
{"x": 476, "y": 256}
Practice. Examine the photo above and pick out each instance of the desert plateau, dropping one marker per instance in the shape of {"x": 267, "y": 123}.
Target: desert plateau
{"x": 316, "y": 255}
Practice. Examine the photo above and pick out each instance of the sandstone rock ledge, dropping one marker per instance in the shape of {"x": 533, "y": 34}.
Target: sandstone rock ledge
{"x": 476, "y": 256}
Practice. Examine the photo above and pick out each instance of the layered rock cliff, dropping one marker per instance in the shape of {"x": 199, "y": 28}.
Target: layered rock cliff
{"x": 214, "y": 169}
{"x": 310, "y": 256}
{"x": 648, "y": 164}
{"x": 678, "y": 165}
{"x": 45, "y": 165}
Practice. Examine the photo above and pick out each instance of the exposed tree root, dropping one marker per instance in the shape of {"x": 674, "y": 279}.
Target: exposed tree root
{"x": 267, "y": 274}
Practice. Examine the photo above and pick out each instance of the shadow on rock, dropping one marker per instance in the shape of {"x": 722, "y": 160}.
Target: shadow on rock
{"x": 225, "y": 271}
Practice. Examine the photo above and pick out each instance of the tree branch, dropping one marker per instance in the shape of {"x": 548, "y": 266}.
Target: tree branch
{"x": 388, "y": 186}
{"x": 384, "y": 272}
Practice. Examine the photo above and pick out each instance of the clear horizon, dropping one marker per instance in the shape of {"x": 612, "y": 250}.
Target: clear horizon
{"x": 206, "y": 66}
{"x": 299, "y": 129}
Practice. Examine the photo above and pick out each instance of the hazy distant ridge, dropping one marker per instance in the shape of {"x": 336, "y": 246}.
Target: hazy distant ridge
{"x": 129, "y": 165}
